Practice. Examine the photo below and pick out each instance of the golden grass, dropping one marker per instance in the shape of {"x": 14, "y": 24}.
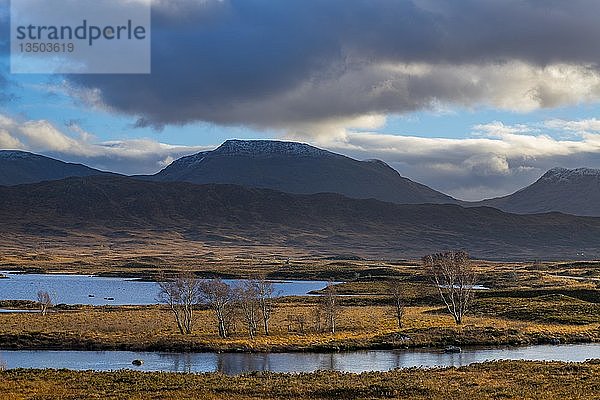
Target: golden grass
{"x": 364, "y": 322}
{"x": 506, "y": 380}
{"x": 358, "y": 327}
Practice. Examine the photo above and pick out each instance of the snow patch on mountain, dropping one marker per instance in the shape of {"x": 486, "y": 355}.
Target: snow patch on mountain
{"x": 269, "y": 147}
{"x": 191, "y": 160}
{"x": 565, "y": 174}
{"x": 17, "y": 155}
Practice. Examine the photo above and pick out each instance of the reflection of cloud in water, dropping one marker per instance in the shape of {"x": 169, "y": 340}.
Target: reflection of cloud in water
{"x": 236, "y": 363}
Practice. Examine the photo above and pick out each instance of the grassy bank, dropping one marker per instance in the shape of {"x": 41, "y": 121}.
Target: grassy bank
{"x": 507, "y": 380}
{"x": 359, "y": 327}
{"x": 528, "y": 304}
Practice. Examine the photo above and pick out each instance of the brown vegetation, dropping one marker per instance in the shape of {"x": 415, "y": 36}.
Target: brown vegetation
{"x": 506, "y": 380}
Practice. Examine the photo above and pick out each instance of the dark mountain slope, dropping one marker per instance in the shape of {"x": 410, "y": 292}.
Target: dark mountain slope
{"x": 298, "y": 168}
{"x": 323, "y": 222}
{"x": 19, "y": 167}
{"x": 571, "y": 191}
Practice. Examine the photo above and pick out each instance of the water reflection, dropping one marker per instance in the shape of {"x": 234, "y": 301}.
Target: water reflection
{"x": 181, "y": 362}
{"x": 236, "y": 363}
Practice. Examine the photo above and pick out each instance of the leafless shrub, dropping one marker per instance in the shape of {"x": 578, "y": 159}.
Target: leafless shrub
{"x": 318, "y": 317}
{"x": 301, "y": 321}
{"x": 296, "y": 322}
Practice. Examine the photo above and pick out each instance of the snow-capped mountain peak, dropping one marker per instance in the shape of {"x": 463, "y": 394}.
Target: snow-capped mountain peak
{"x": 269, "y": 147}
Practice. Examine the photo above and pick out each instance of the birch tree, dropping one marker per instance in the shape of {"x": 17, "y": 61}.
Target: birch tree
{"x": 330, "y": 306}
{"x": 248, "y": 300}
{"x": 265, "y": 292}
{"x": 44, "y": 301}
{"x": 219, "y": 297}
{"x": 181, "y": 294}
{"x": 454, "y": 278}
{"x": 396, "y": 292}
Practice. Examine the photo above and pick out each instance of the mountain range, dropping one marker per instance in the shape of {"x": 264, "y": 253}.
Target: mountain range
{"x": 303, "y": 169}
{"x": 292, "y": 194}
{"x": 232, "y": 215}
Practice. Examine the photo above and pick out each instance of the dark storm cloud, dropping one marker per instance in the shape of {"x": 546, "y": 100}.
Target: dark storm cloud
{"x": 280, "y": 63}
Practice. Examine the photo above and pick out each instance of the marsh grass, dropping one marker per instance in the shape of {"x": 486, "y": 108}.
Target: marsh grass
{"x": 360, "y": 327}
{"x": 528, "y": 304}
{"x": 498, "y": 380}
{"x": 552, "y": 308}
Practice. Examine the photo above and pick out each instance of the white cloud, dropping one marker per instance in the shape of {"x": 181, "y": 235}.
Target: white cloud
{"x": 132, "y": 156}
{"x": 580, "y": 126}
{"x": 499, "y": 159}
{"x": 365, "y": 94}
{"x": 334, "y": 129}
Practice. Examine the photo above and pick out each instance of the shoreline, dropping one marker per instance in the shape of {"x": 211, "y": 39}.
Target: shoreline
{"x": 76, "y": 342}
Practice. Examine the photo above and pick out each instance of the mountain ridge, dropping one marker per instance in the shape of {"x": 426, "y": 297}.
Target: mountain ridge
{"x": 231, "y": 215}
{"x": 304, "y": 169}
{"x": 297, "y": 168}
{"x": 21, "y": 167}
{"x": 571, "y": 191}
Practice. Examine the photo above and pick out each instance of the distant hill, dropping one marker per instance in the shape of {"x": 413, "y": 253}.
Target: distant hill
{"x": 571, "y": 191}
{"x": 303, "y": 169}
{"x": 229, "y": 215}
{"x": 298, "y": 168}
{"x": 19, "y": 167}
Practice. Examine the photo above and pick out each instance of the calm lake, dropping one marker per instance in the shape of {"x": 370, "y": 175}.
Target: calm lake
{"x": 95, "y": 290}
{"x": 236, "y": 363}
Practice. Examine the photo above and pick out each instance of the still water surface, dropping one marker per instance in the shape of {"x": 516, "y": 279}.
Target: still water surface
{"x": 236, "y": 363}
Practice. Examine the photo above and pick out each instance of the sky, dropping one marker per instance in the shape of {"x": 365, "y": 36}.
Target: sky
{"x": 475, "y": 98}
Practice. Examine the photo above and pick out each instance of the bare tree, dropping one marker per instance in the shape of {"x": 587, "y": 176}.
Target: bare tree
{"x": 181, "y": 294}
{"x": 330, "y": 306}
{"x": 318, "y": 313}
{"x": 265, "y": 292}
{"x": 296, "y": 322}
{"x": 290, "y": 322}
{"x": 248, "y": 300}
{"x": 220, "y": 297}
{"x": 44, "y": 301}
{"x": 301, "y": 321}
{"x": 454, "y": 278}
{"x": 395, "y": 290}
